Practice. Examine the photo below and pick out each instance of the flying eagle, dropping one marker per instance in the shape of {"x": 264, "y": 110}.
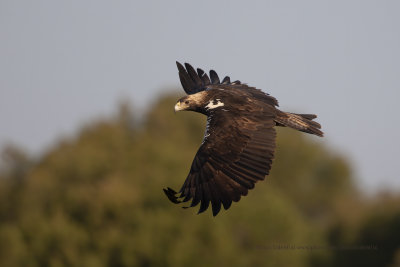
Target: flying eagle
{"x": 239, "y": 140}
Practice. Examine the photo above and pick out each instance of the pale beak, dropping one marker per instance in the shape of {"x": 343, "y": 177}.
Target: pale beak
{"x": 178, "y": 106}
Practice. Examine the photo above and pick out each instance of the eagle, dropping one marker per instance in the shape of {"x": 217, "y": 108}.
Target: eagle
{"x": 239, "y": 140}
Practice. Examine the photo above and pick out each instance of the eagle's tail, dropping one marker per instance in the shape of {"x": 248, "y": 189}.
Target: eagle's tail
{"x": 301, "y": 122}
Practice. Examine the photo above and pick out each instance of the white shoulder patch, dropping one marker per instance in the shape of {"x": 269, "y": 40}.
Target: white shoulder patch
{"x": 211, "y": 104}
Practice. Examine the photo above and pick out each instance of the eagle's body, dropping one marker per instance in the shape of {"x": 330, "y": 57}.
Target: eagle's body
{"x": 239, "y": 141}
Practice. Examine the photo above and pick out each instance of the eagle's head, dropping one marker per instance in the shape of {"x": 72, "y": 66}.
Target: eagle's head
{"x": 185, "y": 103}
{"x": 202, "y": 102}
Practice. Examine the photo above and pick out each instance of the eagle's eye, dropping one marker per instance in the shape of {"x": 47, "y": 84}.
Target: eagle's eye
{"x": 187, "y": 102}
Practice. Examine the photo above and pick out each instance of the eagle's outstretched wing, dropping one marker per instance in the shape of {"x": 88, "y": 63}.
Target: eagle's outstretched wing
{"x": 236, "y": 152}
{"x": 194, "y": 82}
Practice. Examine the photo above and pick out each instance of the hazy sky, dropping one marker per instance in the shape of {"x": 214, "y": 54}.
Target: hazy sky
{"x": 63, "y": 63}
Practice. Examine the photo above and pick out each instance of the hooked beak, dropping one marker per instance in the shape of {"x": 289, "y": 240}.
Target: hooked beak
{"x": 178, "y": 106}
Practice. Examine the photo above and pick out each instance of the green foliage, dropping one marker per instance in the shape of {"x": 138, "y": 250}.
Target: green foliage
{"x": 312, "y": 177}
{"x": 97, "y": 200}
{"x": 378, "y": 226}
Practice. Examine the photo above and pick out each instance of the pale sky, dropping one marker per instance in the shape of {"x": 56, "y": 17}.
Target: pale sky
{"x": 64, "y": 63}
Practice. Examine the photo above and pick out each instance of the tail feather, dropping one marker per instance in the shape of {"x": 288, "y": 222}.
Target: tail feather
{"x": 301, "y": 122}
{"x": 308, "y": 116}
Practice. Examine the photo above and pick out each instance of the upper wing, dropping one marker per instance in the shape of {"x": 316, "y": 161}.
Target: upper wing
{"x": 235, "y": 154}
{"x": 194, "y": 82}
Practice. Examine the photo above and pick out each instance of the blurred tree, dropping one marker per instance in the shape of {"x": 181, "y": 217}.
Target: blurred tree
{"x": 15, "y": 162}
{"x": 378, "y": 227}
{"x": 312, "y": 177}
{"x": 97, "y": 200}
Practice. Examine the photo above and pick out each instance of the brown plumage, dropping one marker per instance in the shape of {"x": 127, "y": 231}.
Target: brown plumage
{"x": 239, "y": 141}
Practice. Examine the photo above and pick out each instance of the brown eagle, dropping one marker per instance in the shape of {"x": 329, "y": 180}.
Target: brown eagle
{"x": 239, "y": 140}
